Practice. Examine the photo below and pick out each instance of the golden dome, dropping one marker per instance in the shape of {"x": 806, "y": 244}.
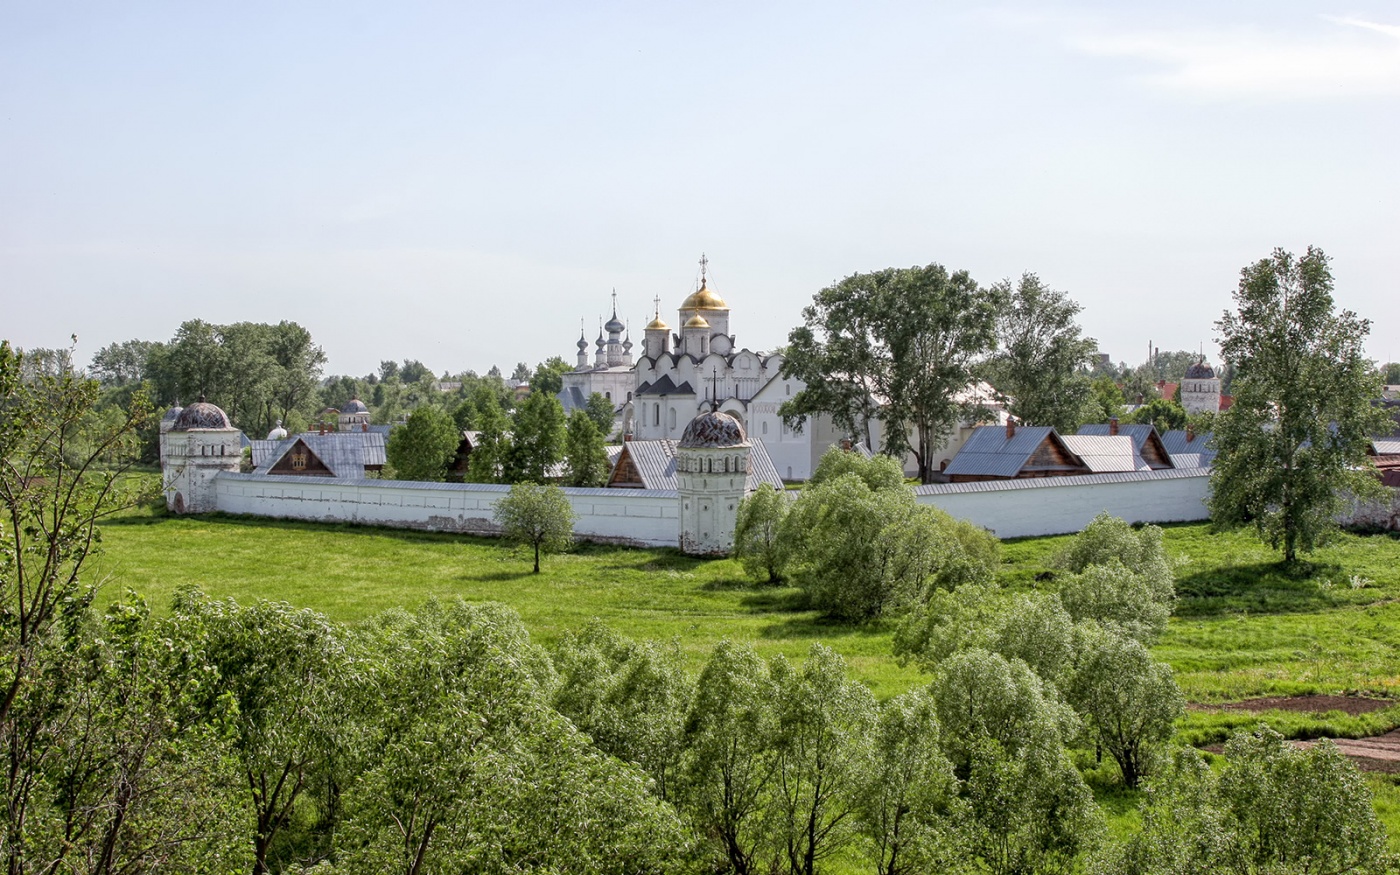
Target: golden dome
{"x": 657, "y": 325}
{"x": 704, "y": 299}
{"x": 697, "y": 321}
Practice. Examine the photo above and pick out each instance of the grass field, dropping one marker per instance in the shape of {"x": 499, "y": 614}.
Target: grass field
{"x": 1244, "y": 627}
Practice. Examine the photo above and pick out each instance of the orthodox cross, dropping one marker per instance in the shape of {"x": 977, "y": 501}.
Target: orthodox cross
{"x": 704, "y": 263}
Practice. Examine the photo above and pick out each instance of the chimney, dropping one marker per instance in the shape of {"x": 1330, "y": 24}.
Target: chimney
{"x": 1190, "y": 433}
{"x": 1010, "y": 427}
{"x": 846, "y": 444}
{"x": 364, "y": 426}
{"x": 1113, "y": 426}
{"x": 627, "y": 438}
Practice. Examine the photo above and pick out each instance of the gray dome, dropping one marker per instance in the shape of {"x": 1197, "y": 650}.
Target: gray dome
{"x": 201, "y": 414}
{"x": 172, "y": 414}
{"x": 713, "y": 430}
{"x": 614, "y": 325}
{"x": 354, "y": 405}
{"x": 1200, "y": 371}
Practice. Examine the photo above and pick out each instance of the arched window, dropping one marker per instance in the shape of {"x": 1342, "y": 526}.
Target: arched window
{"x": 672, "y": 418}
{"x": 656, "y": 413}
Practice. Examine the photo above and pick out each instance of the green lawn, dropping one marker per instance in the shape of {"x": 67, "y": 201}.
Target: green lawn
{"x": 1243, "y": 627}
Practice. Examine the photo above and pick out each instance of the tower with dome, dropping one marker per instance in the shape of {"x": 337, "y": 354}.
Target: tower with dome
{"x": 712, "y": 469}
{"x": 1200, "y": 389}
{"x": 199, "y": 443}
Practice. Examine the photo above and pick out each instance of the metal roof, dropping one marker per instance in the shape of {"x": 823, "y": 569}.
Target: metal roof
{"x": 1195, "y": 453}
{"x": 1139, "y": 432}
{"x": 988, "y": 452}
{"x": 1386, "y": 446}
{"x": 1106, "y": 454}
{"x": 1057, "y": 482}
{"x": 344, "y": 458}
{"x": 655, "y": 462}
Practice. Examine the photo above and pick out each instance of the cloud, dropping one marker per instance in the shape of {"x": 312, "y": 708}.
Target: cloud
{"x": 1347, "y": 57}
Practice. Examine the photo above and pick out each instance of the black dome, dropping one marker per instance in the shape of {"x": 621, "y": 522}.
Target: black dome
{"x": 713, "y": 430}
{"x": 201, "y": 414}
{"x": 1200, "y": 371}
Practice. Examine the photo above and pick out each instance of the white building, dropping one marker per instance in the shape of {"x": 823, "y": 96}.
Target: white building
{"x": 610, "y": 374}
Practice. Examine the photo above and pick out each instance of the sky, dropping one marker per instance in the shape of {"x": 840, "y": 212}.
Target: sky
{"x": 463, "y": 183}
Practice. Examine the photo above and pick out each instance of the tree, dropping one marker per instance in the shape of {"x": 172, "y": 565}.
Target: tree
{"x": 521, "y": 373}
{"x": 1105, "y": 401}
{"x": 1119, "y": 577}
{"x": 1042, "y": 362}
{"x": 731, "y": 757}
{"x": 423, "y": 447}
{"x": 878, "y": 472}
{"x": 490, "y": 457}
{"x": 602, "y": 412}
{"x": 537, "y": 439}
{"x": 909, "y": 807}
{"x": 119, "y": 364}
{"x": 1130, "y": 702}
{"x": 1390, "y": 373}
{"x": 282, "y": 668}
{"x": 824, "y": 725}
{"x": 758, "y": 532}
{"x": 549, "y": 376}
{"x": 907, "y": 337}
{"x": 1292, "y": 448}
{"x": 859, "y": 553}
{"x": 1004, "y": 730}
{"x": 1033, "y": 627}
{"x": 61, "y": 474}
{"x": 630, "y": 697}
{"x": 539, "y": 516}
{"x": 1273, "y": 808}
{"x": 1162, "y": 413}
{"x": 584, "y": 455}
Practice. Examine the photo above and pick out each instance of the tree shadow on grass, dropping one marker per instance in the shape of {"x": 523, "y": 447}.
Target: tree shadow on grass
{"x": 499, "y": 576}
{"x": 821, "y": 628}
{"x": 1258, "y": 588}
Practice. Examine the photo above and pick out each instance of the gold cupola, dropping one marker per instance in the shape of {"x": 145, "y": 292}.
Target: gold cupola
{"x": 697, "y": 321}
{"x": 704, "y": 299}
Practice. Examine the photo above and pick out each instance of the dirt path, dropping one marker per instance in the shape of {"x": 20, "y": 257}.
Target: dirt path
{"x": 1379, "y": 753}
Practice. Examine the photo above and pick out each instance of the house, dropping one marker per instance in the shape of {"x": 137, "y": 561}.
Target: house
{"x": 1188, "y": 449}
{"x": 1146, "y": 443}
{"x": 1013, "y": 452}
{"x": 346, "y": 455}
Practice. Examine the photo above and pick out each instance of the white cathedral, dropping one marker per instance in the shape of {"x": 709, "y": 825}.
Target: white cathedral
{"x": 680, "y": 374}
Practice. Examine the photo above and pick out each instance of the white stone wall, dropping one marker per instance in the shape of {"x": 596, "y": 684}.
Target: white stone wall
{"x": 641, "y": 517}
{"x": 1061, "y": 505}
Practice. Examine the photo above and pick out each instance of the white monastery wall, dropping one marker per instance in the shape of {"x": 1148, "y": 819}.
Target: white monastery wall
{"x": 1061, "y": 505}
{"x": 640, "y": 517}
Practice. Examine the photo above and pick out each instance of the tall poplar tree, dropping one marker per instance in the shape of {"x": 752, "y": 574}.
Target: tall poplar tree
{"x": 1292, "y": 448}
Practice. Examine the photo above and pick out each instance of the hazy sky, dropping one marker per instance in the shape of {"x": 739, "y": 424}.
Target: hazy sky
{"x": 461, "y": 183}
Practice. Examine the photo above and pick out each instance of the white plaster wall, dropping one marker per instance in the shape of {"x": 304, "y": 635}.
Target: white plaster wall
{"x": 1061, "y": 505}
{"x": 643, "y": 517}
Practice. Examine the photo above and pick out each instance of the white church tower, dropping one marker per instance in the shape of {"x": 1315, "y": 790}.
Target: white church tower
{"x": 198, "y": 445}
{"x": 1200, "y": 389}
{"x": 712, "y": 471}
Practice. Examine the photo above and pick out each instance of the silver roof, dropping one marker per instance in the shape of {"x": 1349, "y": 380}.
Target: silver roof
{"x": 656, "y": 463}
{"x": 1386, "y": 446}
{"x": 1106, "y": 454}
{"x": 1139, "y": 432}
{"x": 344, "y": 458}
{"x": 1054, "y": 482}
{"x": 990, "y": 453}
{"x": 1195, "y": 453}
